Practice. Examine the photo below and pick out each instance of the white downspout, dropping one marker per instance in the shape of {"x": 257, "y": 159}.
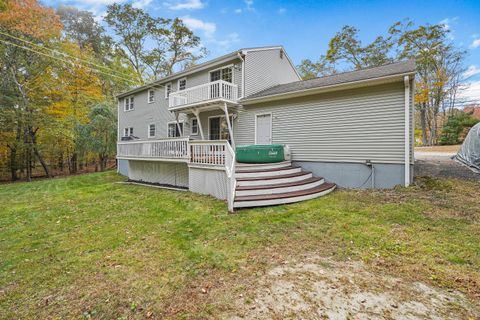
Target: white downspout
{"x": 118, "y": 133}
{"x": 406, "y": 81}
{"x": 243, "y": 74}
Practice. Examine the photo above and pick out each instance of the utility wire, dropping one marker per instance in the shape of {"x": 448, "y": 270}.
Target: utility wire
{"x": 60, "y": 52}
{"x": 61, "y": 59}
{"x": 150, "y": 86}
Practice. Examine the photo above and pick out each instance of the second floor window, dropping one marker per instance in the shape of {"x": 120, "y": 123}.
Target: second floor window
{"x": 225, "y": 74}
{"x": 151, "y": 96}
{"x": 129, "y": 103}
{"x": 182, "y": 84}
{"x": 151, "y": 130}
{"x": 168, "y": 90}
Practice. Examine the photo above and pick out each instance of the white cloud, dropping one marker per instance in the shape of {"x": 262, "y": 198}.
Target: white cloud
{"x": 249, "y": 4}
{"x": 281, "y": 10}
{"x": 238, "y": 10}
{"x": 471, "y": 71}
{"x": 227, "y": 42}
{"x": 186, "y": 5}
{"x": 208, "y": 28}
{"x": 472, "y": 92}
{"x": 447, "y": 25}
{"x": 141, "y": 3}
{"x": 475, "y": 43}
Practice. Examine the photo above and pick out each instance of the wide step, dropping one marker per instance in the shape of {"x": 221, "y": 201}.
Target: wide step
{"x": 248, "y": 173}
{"x": 283, "y": 198}
{"x": 279, "y": 187}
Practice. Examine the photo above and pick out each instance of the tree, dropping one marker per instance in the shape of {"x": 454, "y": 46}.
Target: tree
{"x": 19, "y": 71}
{"x": 454, "y": 126}
{"x": 135, "y": 28}
{"x": 101, "y": 131}
{"x": 310, "y": 70}
{"x": 153, "y": 46}
{"x": 439, "y": 67}
{"x": 346, "y": 47}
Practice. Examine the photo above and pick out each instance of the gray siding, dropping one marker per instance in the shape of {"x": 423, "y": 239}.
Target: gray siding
{"x": 265, "y": 69}
{"x": 145, "y": 113}
{"x": 168, "y": 173}
{"x": 345, "y": 126}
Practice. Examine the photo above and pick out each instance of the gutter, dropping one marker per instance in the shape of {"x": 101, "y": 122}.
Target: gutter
{"x": 169, "y": 78}
{"x": 334, "y": 87}
{"x": 241, "y": 56}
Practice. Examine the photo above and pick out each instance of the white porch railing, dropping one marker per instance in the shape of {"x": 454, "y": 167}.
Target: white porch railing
{"x": 209, "y": 91}
{"x": 216, "y": 153}
{"x": 175, "y": 149}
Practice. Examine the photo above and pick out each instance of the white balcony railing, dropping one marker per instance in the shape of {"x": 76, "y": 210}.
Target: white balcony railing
{"x": 210, "y": 91}
{"x": 168, "y": 149}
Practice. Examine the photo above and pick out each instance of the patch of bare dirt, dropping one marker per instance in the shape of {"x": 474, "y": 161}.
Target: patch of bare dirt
{"x": 321, "y": 288}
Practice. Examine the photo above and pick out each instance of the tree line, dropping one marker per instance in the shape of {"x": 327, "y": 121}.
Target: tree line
{"x": 440, "y": 66}
{"x": 59, "y": 73}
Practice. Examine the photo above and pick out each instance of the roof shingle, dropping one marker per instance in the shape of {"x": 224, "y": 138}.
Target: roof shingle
{"x": 392, "y": 69}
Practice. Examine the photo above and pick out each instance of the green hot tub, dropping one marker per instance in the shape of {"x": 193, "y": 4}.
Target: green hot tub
{"x": 257, "y": 153}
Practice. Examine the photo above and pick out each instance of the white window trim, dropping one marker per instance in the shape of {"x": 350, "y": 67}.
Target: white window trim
{"x": 128, "y": 131}
{"x": 171, "y": 89}
{"x": 191, "y": 127}
{"x": 148, "y": 96}
{"x": 125, "y": 103}
{"x": 271, "y": 125}
{"x": 148, "y": 130}
{"x": 232, "y": 66}
{"x": 183, "y": 127}
{"x": 178, "y": 83}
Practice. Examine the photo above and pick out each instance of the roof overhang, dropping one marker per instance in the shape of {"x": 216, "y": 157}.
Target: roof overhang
{"x": 159, "y": 83}
{"x": 329, "y": 88}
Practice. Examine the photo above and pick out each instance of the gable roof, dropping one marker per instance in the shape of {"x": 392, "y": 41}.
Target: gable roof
{"x": 386, "y": 71}
{"x": 207, "y": 64}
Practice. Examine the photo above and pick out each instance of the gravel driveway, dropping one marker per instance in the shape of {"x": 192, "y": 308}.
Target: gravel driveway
{"x": 440, "y": 164}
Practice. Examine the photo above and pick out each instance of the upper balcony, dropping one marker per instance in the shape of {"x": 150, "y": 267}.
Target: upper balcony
{"x": 205, "y": 94}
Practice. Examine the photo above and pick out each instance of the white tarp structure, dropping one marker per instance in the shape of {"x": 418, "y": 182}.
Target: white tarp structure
{"x": 469, "y": 154}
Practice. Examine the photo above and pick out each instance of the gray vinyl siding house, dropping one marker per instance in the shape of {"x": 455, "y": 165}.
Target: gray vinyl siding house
{"x": 354, "y": 129}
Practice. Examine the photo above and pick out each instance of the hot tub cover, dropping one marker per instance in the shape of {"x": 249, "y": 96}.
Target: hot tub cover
{"x": 469, "y": 153}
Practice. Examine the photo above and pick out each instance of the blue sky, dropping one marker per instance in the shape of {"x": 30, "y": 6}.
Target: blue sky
{"x": 305, "y": 27}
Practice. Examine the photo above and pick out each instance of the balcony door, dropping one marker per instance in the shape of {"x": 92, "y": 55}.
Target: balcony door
{"x": 225, "y": 74}
{"x": 218, "y": 128}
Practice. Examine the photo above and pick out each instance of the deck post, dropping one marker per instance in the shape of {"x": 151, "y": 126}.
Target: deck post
{"x": 178, "y": 125}
{"x": 230, "y": 131}
{"x": 197, "y": 115}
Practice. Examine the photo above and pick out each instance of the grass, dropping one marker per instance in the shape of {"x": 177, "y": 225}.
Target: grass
{"x": 88, "y": 247}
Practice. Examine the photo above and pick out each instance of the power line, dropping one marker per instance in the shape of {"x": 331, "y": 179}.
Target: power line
{"x": 61, "y": 59}
{"x": 62, "y": 53}
{"x": 150, "y": 86}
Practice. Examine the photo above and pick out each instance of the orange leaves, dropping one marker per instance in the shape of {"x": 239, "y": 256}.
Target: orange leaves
{"x": 30, "y": 18}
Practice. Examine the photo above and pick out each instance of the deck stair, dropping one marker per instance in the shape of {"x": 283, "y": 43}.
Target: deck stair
{"x": 276, "y": 183}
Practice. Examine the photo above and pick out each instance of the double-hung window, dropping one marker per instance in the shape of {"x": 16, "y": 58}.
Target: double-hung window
{"x": 128, "y": 103}
{"x": 151, "y": 96}
{"x": 173, "y": 129}
{"x": 194, "y": 127}
{"x": 168, "y": 90}
{"x": 151, "y": 130}
{"x": 128, "y": 131}
{"x": 182, "y": 84}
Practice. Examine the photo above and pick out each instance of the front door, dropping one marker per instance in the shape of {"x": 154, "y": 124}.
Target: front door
{"x": 263, "y": 129}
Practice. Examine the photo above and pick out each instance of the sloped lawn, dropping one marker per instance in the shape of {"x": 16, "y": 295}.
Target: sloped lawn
{"x": 88, "y": 246}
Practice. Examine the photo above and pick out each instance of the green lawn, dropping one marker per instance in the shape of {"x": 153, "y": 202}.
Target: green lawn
{"x": 87, "y": 246}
